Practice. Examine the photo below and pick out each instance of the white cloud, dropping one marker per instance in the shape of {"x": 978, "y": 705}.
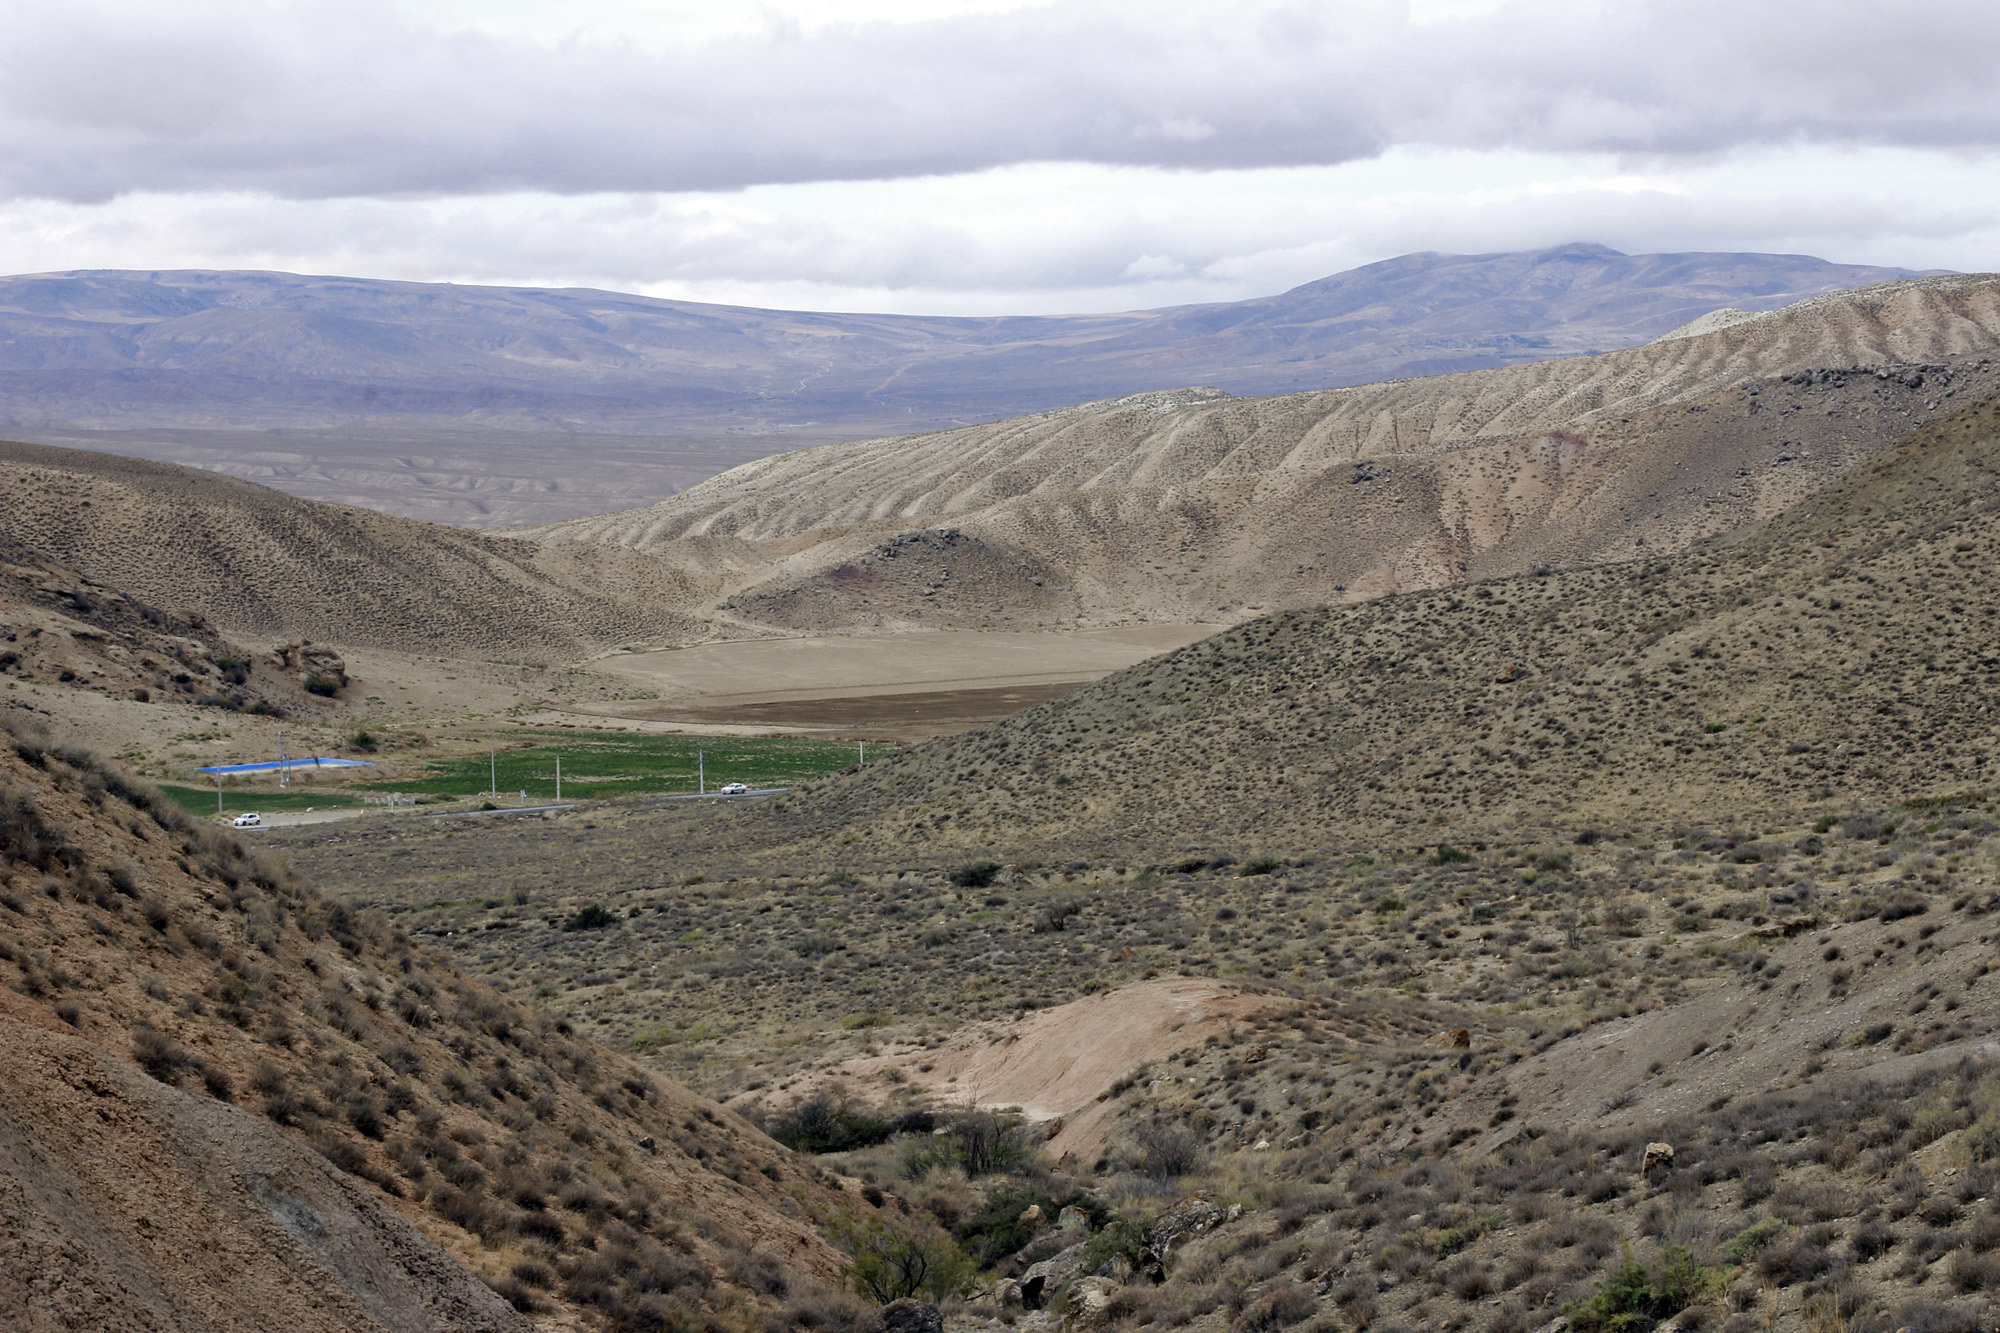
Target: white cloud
{"x": 982, "y": 155}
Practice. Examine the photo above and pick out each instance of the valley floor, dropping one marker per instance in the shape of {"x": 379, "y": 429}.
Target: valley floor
{"x": 900, "y": 686}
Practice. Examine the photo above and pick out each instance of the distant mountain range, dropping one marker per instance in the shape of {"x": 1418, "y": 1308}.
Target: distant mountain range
{"x": 232, "y": 350}
{"x": 372, "y": 388}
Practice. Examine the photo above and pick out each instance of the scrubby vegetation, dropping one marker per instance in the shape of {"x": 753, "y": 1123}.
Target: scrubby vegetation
{"x": 1535, "y": 874}
{"x": 1614, "y": 946}
{"x": 566, "y": 1176}
{"x": 1785, "y": 1210}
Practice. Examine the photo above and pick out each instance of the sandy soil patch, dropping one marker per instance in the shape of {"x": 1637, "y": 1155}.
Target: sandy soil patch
{"x": 1059, "y": 1064}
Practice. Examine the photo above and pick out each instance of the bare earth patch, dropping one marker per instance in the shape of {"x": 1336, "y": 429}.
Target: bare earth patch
{"x": 1060, "y": 1065}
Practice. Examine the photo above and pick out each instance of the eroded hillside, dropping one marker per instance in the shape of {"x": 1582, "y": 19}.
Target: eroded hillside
{"x": 258, "y": 563}
{"x": 1195, "y": 506}
{"x": 1843, "y": 653}
{"x": 59, "y": 626}
{"x": 1587, "y": 949}
{"x": 338, "y": 1130}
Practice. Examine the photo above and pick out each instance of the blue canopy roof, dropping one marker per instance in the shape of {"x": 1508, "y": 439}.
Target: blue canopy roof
{"x": 277, "y": 764}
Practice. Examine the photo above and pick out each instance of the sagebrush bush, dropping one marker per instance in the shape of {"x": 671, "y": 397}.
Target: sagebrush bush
{"x": 975, "y": 874}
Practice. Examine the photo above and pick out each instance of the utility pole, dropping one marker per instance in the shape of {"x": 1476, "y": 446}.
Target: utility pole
{"x": 284, "y": 774}
{"x": 558, "y": 777}
{"x": 864, "y": 750}
{"x": 493, "y": 771}
{"x": 701, "y": 771}
{"x": 218, "y": 789}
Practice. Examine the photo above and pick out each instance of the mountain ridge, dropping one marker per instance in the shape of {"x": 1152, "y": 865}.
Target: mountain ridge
{"x": 331, "y": 331}
{"x": 1181, "y": 507}
{"x": 1194, "y": 505}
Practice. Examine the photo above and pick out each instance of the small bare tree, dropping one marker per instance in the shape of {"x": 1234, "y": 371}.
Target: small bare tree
{"x": 1167, "y": 1149}
{"x": 986, "y": 1142}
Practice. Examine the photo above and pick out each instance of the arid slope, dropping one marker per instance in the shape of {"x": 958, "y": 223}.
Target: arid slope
{"x": 1182, "y": 507}
{"x": 284, "y": 1032}
{"x": 1842, "y": 653}
{"x": 1192, "y": 505}
{"x": 128, "y": 1203}
{"x": 260, "y": 564}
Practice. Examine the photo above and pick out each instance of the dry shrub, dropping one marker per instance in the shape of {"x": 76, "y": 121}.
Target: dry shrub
{"x": 1279, "y": 1308}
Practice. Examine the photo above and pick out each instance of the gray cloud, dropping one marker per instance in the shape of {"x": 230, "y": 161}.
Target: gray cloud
{"x": 1053, "y": 238}
{"x": 321, "y": 100}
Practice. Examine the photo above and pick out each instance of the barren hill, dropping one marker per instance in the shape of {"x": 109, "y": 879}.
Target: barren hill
{"x": 1172, "y": 508}
{"x": 258, "y": 563}
{"x": 1840, "y": 654}
{"x": 56, "y": 624}
{"x": 1195, "y": 506}
{"x": 230, "y": 1103}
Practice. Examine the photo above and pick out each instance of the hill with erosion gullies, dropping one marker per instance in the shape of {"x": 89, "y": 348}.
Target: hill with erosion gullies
{"x": 1174, "y": 508}
{"x": 1841, "y": 652}
{"x": 1195, "y": 506}
{"x": 259, "y": 564}
{"x": 230, "y": 1102}
{"x": 59, "y": 625}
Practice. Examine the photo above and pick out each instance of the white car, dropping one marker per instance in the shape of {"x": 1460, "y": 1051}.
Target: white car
{"x": 735, "y": 789}
{"x": 247, "y": 821}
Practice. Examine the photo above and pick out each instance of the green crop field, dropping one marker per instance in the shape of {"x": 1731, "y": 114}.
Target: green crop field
{"x": 598, "y": 765}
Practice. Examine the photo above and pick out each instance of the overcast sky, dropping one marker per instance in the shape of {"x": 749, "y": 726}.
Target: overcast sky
{"x": 971, "y": 156}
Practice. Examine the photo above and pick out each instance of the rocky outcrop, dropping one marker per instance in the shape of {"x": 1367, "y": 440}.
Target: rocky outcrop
{"x": 1088, "y": 1304}
{"x": 908, "y": 1316}
{"x": 1045, "y": 1279}
{"x": 307, "y": 658}
{"x": 1196, "y": 1215}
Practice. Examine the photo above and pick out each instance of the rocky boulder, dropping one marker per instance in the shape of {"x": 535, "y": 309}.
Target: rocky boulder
{"x": 1044, "y": 1279}
{"x": 1088, "y": 1304}
{"x": 1193, "y": 1216}
{"x": 908, "y": 1316}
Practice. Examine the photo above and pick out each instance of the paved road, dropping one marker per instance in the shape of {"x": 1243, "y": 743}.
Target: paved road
{"x": 293, "y": 818}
